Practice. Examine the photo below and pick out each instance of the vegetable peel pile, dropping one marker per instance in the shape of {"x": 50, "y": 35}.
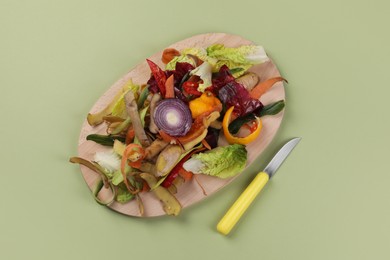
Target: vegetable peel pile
{"x": 164, "y": 132}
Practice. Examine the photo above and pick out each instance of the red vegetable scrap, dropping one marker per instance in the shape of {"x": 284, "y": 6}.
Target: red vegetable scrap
{"x": 235, "y": 94}
{"x": 159, "y": 76}
{"x": 191, "y": 88}
{"x": 186, "y": 175}
{"x": 178, "y": 168}
{"x": 181, "y": 69}
{"x": 179, "y": 94}
{"x": 220, "y": 80}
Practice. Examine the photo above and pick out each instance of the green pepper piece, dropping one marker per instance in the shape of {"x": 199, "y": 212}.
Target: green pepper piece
{"x": 141, "y": 100}
{"x": 106, "y": 140}
{"x": 271, "y": 109}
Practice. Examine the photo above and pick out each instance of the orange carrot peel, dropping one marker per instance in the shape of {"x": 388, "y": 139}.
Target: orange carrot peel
{"x": 264, "y": 86}
{"x": 169, "y": 87}
{"x": 134, "y": 153}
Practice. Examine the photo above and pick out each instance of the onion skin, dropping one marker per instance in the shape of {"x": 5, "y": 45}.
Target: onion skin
{"x": 173, "y": 117}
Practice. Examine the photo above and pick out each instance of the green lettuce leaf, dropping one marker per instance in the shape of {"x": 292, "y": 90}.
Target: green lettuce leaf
{"x": 199, "y": 52}
{"x": 243, "y": 57}
{"x": 222, "y": 162}
{"x": 117, "y": 177}
{"x": 202, "y": 54}
{"x": 119, "y": 108}
{"x": 217, "y": 55}
{"x": 182, "y": 58}
{"x": 245, "y": 54}
{"x": 204, "y": 72}
{"x": 122, "y": 194}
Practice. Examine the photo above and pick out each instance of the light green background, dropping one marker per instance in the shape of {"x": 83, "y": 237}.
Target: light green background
{"x": 330, "y": 200}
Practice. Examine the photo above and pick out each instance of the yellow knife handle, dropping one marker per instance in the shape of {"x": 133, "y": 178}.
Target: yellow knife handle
{"x": 235, "y": 212}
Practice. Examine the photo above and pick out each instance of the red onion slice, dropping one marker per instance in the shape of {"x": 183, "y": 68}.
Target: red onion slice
{"x": 173, "y": 117}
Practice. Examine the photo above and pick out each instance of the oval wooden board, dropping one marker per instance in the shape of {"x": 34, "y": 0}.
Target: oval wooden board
{"x": 190, "y": 192}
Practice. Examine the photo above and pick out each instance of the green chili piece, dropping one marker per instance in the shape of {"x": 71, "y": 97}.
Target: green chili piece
{"x": 271, "y": 109}
{"x": 231, "y": 71}
{"x": 239, "y": 121}
{"x": 184, "y": 79}
{"x": 144, "y": 94}
{"x": 121, "y": 127}
{"x": 107, "y": 140}
{"x": 235, "y": 70}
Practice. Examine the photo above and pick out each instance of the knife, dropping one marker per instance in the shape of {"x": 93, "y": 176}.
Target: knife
{"x": 235, "y": 212}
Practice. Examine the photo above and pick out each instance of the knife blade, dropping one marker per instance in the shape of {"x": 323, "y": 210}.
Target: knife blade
{"x": 239, "y": 207}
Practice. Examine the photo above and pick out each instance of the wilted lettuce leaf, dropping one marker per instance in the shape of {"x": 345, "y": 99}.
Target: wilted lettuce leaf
{"x": 120, "y": 106}
{"x": 222, "y": 162}
{"x": 122, "y": 194}
{"x": 183, "y": 58}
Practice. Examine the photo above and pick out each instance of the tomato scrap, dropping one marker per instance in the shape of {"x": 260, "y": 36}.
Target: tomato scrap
{"x": 191, "y": 88}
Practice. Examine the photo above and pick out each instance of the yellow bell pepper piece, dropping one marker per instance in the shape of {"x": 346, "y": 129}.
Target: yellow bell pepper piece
{"x": 239, "y": 140}
{"x": 207, "y": 102}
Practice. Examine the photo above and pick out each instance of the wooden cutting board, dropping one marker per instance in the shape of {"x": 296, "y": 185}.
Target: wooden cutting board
{"x": 190, "y": 192}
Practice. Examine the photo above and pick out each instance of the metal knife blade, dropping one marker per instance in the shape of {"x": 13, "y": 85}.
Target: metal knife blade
{"x": 235, "y": 212}
{"x": 280, "y": 156}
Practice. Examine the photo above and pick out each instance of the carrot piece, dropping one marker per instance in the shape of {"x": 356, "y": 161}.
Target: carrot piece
{"x": 130, "y": 136}
{"x": 206, "y": 144}
{"x": 264, "y": 86}
{"x": 169, "y": 87}
{"x": 169, "y": 54}
{"x": 138, "y": 153}
{"x": 185, "y": 174}
{"x": 145, "y": 187}
{"x": 167, "y": 138}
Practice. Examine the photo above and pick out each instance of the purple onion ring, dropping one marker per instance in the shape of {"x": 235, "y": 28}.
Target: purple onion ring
{"x": 173, "y": 117}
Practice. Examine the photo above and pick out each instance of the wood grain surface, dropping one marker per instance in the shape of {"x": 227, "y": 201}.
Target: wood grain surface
{"x": 190, "y": 192}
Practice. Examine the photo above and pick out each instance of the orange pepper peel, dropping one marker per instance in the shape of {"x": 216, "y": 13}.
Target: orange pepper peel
{"x": 239, "y": 140}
